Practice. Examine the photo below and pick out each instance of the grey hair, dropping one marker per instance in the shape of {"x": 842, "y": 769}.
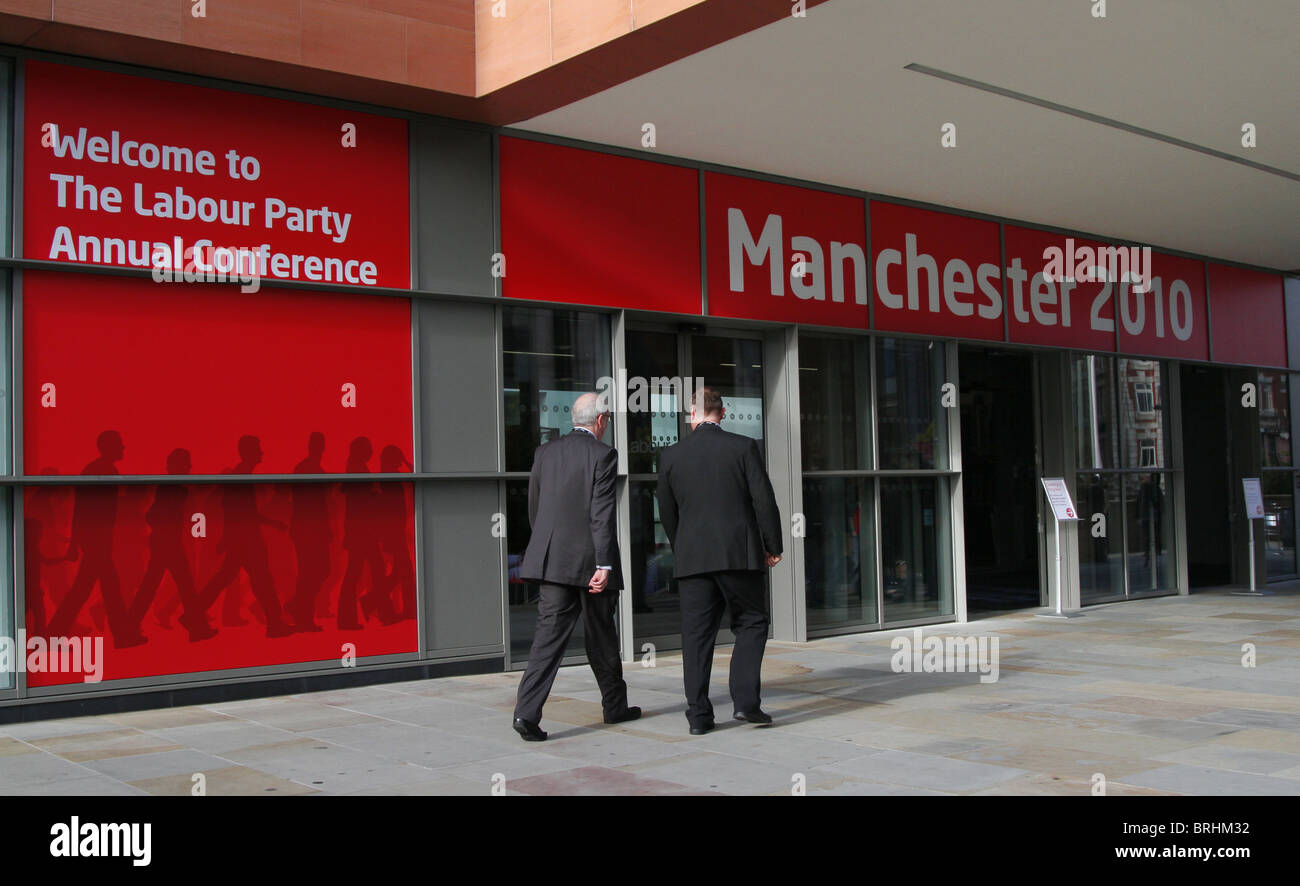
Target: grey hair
{"x": 586, "y": 409}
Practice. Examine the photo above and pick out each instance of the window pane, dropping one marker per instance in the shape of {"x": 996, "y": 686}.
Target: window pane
{"x": 734, "y": 368}
{"x": 1093, "y": 388}
{"x": 656, "y": 612}
{"x": 1144, "y": 419}
{"x": 840, "y": 552}
{"x": 915, "y": 548}
{"x": 6, "y": 588}
{"x": 654, "y": 397}
{"x": 1150, "y": 527}
{"x": 834, "y": 403}
{"x": 912, "y": 426}
{"x": 551, "y": 357}
{"x": 521, "y": 595}
{"x": 1279, "y": 521}
{"x": 1275, "y": 418}
{"x": 1101, "y": 570}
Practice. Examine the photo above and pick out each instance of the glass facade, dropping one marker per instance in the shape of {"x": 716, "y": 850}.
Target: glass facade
{"x": 1123, "y": 479}
{"x": 1278, "y": 480}
{"x": 861, "y": 569}
{"x": 550, "y": 358}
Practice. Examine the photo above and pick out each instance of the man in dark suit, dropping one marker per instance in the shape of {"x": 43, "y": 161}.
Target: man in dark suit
{"x": 719, "y": 512}
{"x": 573, "y": 552}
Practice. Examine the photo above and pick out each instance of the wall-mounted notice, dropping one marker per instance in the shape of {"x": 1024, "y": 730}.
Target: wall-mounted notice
{"x": 211, "y": 185}
{"x": 1254, "y": 498}
{"x": 1058, "y": 496}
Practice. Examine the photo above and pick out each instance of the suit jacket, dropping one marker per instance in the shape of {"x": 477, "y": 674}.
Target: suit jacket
{"x": 571, "y": 511}
{"x": 716, "y": 503}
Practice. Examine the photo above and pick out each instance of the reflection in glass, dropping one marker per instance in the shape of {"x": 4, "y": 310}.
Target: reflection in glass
{"x": 912, "y": 427}
{"x": 1275, "y": 418}
{"x": 834, "y": 402}
{"x": 1150, "y": 526}
{"x": 521, "y": 595}
{"x": 734, "y": 368}
{"x": 1143, "y": 419}
{"x": 1092, "y": 384}
{"x": 550, "y": 358}
{"x": 915, "y": 543}
{"x": 839, "y": 552}
{"x": 655, "y": 605}
{"x": 1279, "y": 522}
{"x": 654, "y": 397}
{"x": 1101, "y": 542}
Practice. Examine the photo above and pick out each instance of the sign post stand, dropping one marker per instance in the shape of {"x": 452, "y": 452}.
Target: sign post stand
{"x": 1058, "y": 496}
{"x": 1254, "y": 511}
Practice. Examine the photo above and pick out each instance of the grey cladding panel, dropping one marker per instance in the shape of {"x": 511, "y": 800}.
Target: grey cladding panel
{"x": 453, "y": 209}
{"x": 459, "y": 392}
{"x": 462, "y": 564}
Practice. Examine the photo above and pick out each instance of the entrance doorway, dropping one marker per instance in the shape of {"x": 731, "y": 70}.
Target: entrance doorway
{"x": 1208, "y": 477}
{"x": 999, "y": 478}
{"x": 730, "y": 363}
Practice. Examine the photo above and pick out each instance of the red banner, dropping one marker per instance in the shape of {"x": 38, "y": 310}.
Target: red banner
{"x": 935, "y": 273}
{"x": 778, "y": 252}
{"x": 1248, "y": 311}
{"x": 128, "y": 171}
{"x": 1053, "y": 298}
{"x": 199, "y": 367}
{"x": 587, "y": 228}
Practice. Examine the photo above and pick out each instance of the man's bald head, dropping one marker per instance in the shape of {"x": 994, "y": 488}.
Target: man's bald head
{"x": 588, "y": 409}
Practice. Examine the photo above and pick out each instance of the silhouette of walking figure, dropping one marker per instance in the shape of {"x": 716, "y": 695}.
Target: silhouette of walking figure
{"x": 94, "y": 513}
{"x": 361, "y": 540}
{"x": 38, "y": 512}
{"x": 392, "y": 530}
{"x": 167, "y": 519}
{"x": 245, "y": 548}
{"x": 309, "y": 527}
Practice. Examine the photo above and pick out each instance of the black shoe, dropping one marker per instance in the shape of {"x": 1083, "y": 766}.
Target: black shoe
{"x": 701, "y": 728}
{"x": 529, "y": 731}
{"x": 754, "y": 716}
{"x": 632, "y": 713}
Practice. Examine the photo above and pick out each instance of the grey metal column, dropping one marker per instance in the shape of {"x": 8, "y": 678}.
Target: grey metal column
{"x": 1056, "y": 409}
{"x": 957, "y": 519}
{"x": 624, "y": 506}
{"x": 781, "y": 384}
{"x": 1173, "y": 394}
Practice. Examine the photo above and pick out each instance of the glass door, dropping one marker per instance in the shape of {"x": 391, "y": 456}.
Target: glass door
{"x": 664, "y": 369}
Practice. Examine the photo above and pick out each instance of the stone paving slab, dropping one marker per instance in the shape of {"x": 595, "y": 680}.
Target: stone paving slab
{"x": 1152, "y": 695}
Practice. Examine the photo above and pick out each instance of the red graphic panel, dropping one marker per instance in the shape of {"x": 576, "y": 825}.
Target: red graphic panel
{"x": 936, "y": 273}
{"x": 154, "y": 580}
{"x": 587, "y": 228}
{"x": 778, "y": 252}
{"x": 1249, "y": 316}
{"x": 200, "y": 367}
{"x": 124, "y": 170}
{"x": 1168, "y": 320}
{"x": 1049, "y": 300}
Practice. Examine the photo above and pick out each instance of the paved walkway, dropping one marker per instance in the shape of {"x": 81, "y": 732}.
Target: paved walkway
{"x": 1151, "y": 695}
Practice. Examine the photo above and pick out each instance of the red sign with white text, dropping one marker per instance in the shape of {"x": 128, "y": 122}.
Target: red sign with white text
{"x": 778, "y": 252}
{"x": 1168, "y": 319}
{"x": 935, "y": 273}
{"x": 127, "y": 171}
{"x": 1056, "y": 304}
{"x": 587, "y": 228}
{"x": 1248, "y": 311}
